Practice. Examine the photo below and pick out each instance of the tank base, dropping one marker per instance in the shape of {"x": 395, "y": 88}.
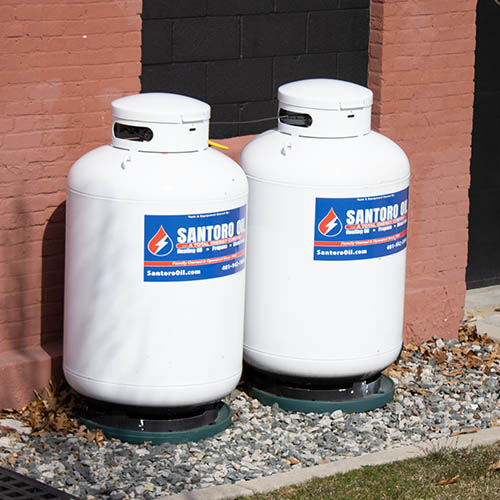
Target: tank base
{"x": 323, "y": 396}
{"x": 155, "y": 425}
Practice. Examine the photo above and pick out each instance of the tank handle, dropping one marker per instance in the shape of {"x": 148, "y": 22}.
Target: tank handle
{"x": 132, "y": 132}
{"x": 295, "y": 119}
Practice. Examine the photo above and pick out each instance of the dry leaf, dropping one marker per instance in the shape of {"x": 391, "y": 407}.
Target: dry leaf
{"x": 454, "y": 373}
{"x": 392, "y": 373}
{"x": 472, "y": 364}
{"x": 423, "y": 349}
{"x": 495, "y": 422}
{"x": 411, "y": 347}
{"x": 495, "y": 466}
{"x": 451, "y": 480}
{"x": 416, "y": 390}
{"x": 51, "y": 410}
{"x": 465, "y": 431}
{"x": 439, "y": 356}
{"x": 95, "y": 435}
{"x": 292, "y": 460}
{"x": 470, "y": 335}
{"x": 421, "y": 392}
{"x": 471, "y": 355}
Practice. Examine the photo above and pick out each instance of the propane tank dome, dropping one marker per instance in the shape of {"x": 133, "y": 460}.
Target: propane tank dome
{"x": 326, "y": 108}
{"x": 160, "y": 122}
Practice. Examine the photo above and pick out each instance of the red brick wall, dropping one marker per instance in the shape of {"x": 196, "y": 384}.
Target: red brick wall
{"x": 421, "y": 69}
{"x": 62, "y": 64}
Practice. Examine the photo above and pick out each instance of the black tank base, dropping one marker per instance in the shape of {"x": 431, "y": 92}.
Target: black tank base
{"x": 319, "y": 396}
{"x": 157, "y": 425}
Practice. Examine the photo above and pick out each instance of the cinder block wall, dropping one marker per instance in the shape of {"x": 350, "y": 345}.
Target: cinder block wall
{"x": 62, "y": 65}
{"x": 234, "y": 54}
{"x": 421, "y": 69}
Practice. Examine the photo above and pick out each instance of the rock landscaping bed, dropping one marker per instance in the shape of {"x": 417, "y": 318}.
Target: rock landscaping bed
{"x": 443, "y": 388}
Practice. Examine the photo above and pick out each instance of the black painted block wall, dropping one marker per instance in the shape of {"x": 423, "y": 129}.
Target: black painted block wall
{"x": 234, "y": 54}
{"x": 483, "y": 266}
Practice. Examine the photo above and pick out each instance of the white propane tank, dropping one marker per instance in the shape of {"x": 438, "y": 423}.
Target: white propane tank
{"x": 327, "y": 228}
{"x": 155, "y": 252}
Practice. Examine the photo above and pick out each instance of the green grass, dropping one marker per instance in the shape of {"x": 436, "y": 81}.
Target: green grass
{"x": 413, "y": 479}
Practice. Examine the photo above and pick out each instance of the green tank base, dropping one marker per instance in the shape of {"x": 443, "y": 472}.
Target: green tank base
{"x": 368, "y": 402}
{"x": 122, "y": 431}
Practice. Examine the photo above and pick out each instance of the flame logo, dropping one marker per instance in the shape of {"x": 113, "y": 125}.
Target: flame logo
{"x": 160, "y": 244}
{"x": 331, "y": 225}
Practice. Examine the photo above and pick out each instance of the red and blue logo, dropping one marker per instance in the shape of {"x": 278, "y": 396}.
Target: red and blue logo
{"x": 330, "y": 225}
{"x": 160, "y": 244}
{"x": 196, "y": 246}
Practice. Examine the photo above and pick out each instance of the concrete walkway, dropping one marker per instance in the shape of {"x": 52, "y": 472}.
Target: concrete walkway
{"x": 297, "y": 476}
{"x": 480, "y": 305}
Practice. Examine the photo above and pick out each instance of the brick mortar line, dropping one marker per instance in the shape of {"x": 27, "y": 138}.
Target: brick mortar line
{"x": 289, "y": 478}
